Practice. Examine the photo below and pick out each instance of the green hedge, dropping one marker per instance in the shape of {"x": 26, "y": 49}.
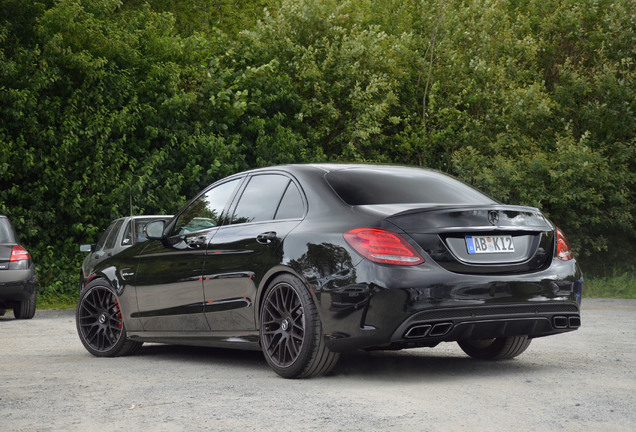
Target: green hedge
{"x": 108, "y": 108}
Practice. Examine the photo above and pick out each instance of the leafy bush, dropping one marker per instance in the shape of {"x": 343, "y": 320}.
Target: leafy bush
{"x": 109, "y": 108}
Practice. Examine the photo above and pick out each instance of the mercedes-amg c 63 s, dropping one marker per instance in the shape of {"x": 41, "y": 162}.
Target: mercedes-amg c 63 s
{"x": 305, "y": 262}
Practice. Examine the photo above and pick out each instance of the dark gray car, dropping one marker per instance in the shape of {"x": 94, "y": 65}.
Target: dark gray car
{"x": 17, "y": 274}
{"x": 120, "y": 234}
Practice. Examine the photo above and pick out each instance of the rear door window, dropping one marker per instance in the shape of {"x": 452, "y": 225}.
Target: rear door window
{"x": 261, "y": 198}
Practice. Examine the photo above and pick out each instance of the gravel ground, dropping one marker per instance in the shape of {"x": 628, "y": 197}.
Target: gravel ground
{"x": 580, "y": 381}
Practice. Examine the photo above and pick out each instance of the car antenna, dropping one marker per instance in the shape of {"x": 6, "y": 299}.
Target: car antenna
{"x": 130, "y": 195}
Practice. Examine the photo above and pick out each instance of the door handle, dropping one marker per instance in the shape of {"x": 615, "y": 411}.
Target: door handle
{"x": 266, "y": 237}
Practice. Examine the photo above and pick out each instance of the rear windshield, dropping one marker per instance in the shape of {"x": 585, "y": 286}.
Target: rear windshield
{"x": 401, "y": 185}
{"x": 6, "y": 232}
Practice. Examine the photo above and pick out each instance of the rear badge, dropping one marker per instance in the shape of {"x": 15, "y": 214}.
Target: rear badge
{"x": 493, "y": 217}
{"x": 489, "y": 244}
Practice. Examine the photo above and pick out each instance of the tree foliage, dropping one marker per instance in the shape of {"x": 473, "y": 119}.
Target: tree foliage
{"x": 108, "y": 108}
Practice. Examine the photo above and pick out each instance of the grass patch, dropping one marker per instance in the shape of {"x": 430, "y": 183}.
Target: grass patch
{"x": 57, "y": 301}
{"x": 616, "y": 286}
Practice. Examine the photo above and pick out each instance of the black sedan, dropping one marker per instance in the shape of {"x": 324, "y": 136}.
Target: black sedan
{"x": 304, "y": 262}
{"x": 17, "y": 274}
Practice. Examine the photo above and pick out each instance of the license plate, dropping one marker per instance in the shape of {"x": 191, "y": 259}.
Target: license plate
{"x": 489, "y": 244}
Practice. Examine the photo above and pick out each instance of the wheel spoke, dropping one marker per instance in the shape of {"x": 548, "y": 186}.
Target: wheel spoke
{"x": 283, "y": 325}
{"x": 292, "y": 347}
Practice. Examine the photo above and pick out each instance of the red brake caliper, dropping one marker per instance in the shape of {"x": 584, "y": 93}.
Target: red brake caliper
{"x": 119, "y": 316}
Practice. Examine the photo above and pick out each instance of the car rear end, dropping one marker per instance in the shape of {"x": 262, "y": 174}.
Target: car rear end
{"x": 512, "y": 274}
{"x": 457, "y": 267}
{"x": 17, "y": 273}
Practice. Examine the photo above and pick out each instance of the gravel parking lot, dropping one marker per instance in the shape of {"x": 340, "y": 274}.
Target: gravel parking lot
{"x": 580, "y": 381}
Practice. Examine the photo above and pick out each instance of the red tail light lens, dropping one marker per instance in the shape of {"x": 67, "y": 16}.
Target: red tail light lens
{"x": 381, "y": 246}
{"x": 564, "y": 253}
{"x": 18, "y": 253}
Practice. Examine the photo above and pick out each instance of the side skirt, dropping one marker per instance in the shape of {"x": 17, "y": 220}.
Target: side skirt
{"x": 244, "y": 341}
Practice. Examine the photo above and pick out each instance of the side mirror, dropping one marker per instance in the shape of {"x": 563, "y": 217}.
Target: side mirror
{"x": 88, "y": 248}
{"x": 154, "y": 230}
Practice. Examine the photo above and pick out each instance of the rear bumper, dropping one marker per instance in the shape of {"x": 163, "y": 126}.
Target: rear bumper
{"x": 425, "y": 305}
{"x": 16, "y": 285}
{"x": 485, "y": 322}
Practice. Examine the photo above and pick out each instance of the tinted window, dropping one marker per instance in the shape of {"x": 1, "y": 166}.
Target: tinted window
{"x": 207, "y": 210}
{"x": 260, "y": 198}
{"x": 139, "y": 225}
{"x": 6, "y": 233}
{"x": 112, "y": 238}
{"x": 291, "y": 206}
{"x": 102, "y": 239}
{"x": 126, "y": 240}
{"x": 393, "y": 185}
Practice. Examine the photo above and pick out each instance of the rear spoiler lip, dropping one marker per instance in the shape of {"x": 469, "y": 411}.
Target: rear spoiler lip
{"x": 441, "y": 208}
{"x": 470, "y": 218}
{"x": 477, "y": 229}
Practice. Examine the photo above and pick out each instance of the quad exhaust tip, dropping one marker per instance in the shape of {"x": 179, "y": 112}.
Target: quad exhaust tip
{"x": 428, "y": 330}
{"x": 563, "y": 322}
{"x": 441, "y": 329}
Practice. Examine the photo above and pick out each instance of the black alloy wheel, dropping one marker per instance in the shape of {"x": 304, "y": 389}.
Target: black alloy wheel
{"x": 291, "y": 332}
{"x": 495, "y": 349}
{"x": 100, "y": 323}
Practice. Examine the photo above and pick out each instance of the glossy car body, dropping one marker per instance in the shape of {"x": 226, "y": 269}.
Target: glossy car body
{"x": 17, "y": 274}
{"x": 307, "y": 261}
{"x": 119, "y": 235}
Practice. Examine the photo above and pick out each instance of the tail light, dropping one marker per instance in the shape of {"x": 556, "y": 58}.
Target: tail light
{"x": 381, "y": 246}
{"x": 564, "y": 253}
{"x": 18, "y": 253}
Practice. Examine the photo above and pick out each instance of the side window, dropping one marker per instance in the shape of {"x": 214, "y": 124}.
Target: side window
{"x": 206, "y": 211}
{"x": 140, "y": 224}
{"x": 291, "y": 206}
{"x": 102, "y": 239}
{"x": 127, "y": 239}
{"x": 260, "y": 198}
{"x": 112, "y": 238}
{"x": 6, "y": 235}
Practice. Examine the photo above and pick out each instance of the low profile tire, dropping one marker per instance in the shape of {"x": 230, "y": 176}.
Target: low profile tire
{"x": 495, "y": 349}
{"x": 291, "y": 331}
{"x": 99, "y": 322}
{"x": 25, "y": 309}
{"x": 2, "y": 312}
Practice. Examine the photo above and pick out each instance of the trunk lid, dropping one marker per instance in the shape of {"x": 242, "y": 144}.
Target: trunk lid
{"x": 481, "y": 239}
